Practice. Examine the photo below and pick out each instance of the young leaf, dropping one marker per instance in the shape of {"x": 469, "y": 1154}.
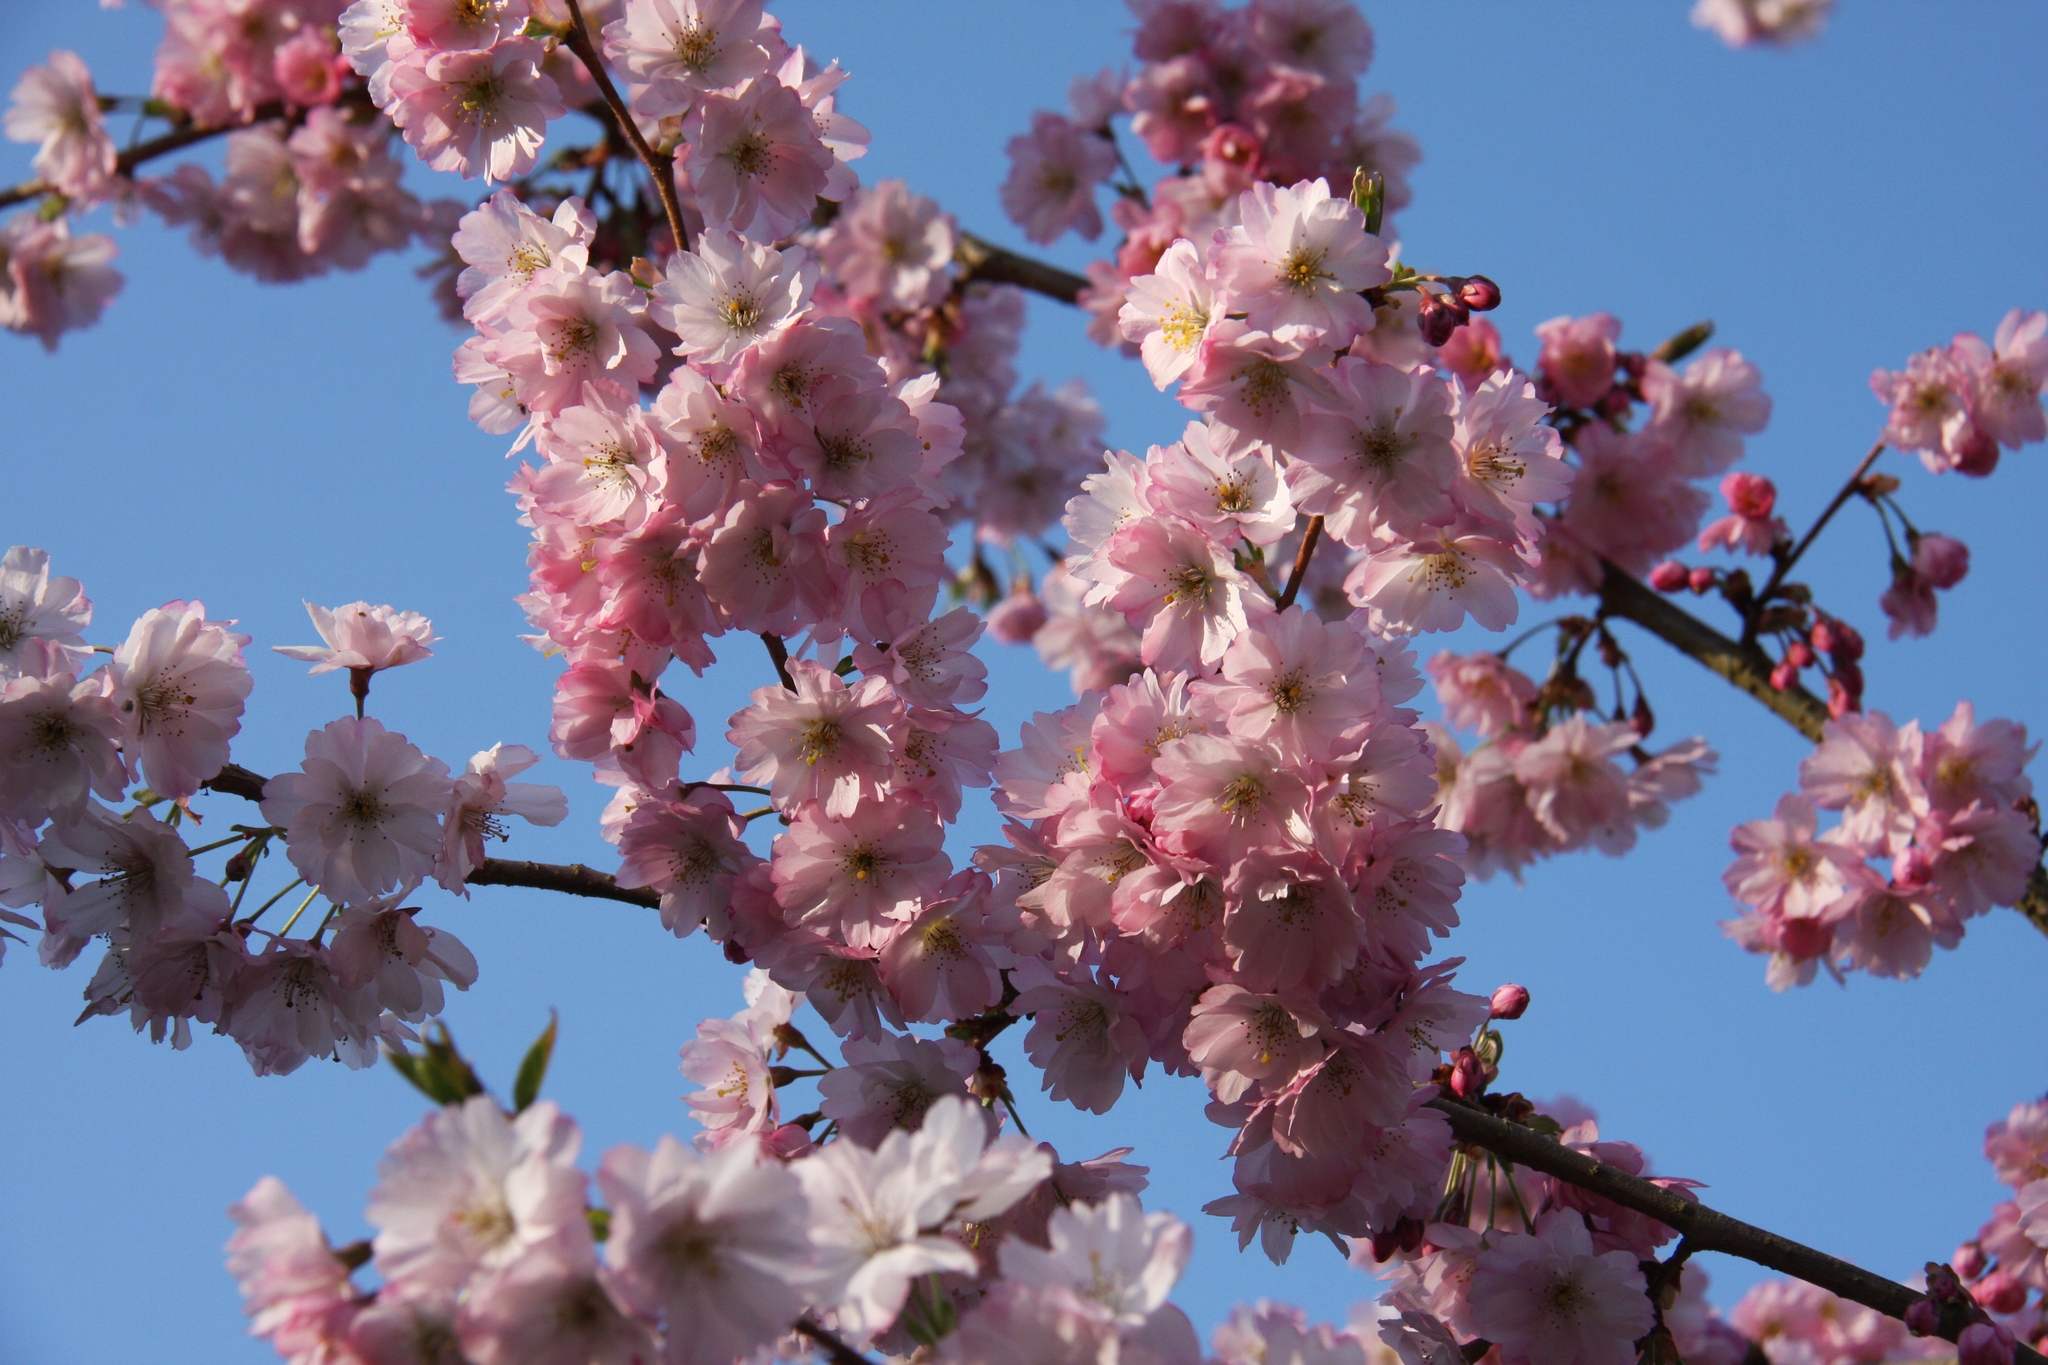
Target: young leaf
{"x": 533, "y": 1068}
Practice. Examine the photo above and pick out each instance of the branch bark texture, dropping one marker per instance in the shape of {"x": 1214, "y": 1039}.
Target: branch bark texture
{"x": 986, "y": 261}
{"x": 1704, "y": 1229}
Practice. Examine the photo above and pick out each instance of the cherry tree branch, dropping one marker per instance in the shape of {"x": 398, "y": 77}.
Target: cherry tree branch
{"x": 987, "y": 261}
{"x": 660, "y": 165}
{"x": 1704, "y": 1229}
{"x": 1302, "y": 556}
{"x": 1763, "y": 599}
{"x": 172, "y": 141}
{"x": 834, "y": 1346}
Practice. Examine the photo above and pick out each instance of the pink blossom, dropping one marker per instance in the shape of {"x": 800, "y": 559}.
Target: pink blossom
{"x": 1168, "y": 312}
{"x": 1326, "y": 36}
{"x": 1509, "y": 457}
{"x": 1233, "y": 497}
{"x": 1112, "y": 1254}
{"x": 1578, "y": 357}
{"x": 1703, "y": 414}
{"x": 56, "y": 106}
{"x": 294, "y": 1288}
{"x": 59, "y": 742}
{"x": 1628, "y": 503}
{"x": 1054, "y": 170}
{"x": 1784, "y": 870}
{"x": 891, "y": 246}
{"x": 1223, "y": 798}
{"x": 1865, "y": 767}
{"x": 1549, "y": 1298}
{"x": 690, "y": 852}
{"x": 1930, "y": 413}
{"x": 178, "y": 682}
{"x": 307, "y": 69}
{"x": 1481, "y": 692}
{"x": 1750, "y": 528}
{"x": 824, "y": 742}
{"x": 146, "y": 880}
{"x": 1296, "y": 263}
{"x": 1909, "y": 604}
{"x": 1253, "y": 386}
{"x": 1289, "y": 925}
{"x": 2007, "y": 398}
{"x": 38, "y": 609}
{"x": 710, "y": 1247}
{"x": 764, "y": 565}
{"x": 603, "y": 461}
{"x": 677, "y": 50}
{"x": 571, "y": 329}
{"x": 1179, "y": 587}
{"x": 1742, "y": 23}
{"x": 755, "y": 159}
{"x": 1297, "y": 682}
{"x": 1240, "y": 1040}
{"x": 476, "y": 112}
{"x": 549, "y": 1307}
{"x": 731, "y": 1063}
{"x": 470, "y": 1188}
{"x": 1379, "y": 458}
{"x": 504, "y": 244}
{"x": 930, "y": 664}
{"x": 726, "y": 294}
{"x": 859, "y": 872}
{"x": 403, "y": 963}
{"x": 1965, "y": 761}
{"x": 888, "y": 1083}
{"x": 939, "y": 966}
{"x": 1473, "y": 352}
{"x": 286, "y": 1006}
{"x": 360, "y": 636}
{"x": 2017, "y": 1145}
{"x": 1085, "y": 1041}
{"x": 52, "y": 282}
{"x": 941, "y": 751}
{"x": 1047, "y": 774}
{"x": 1431, "y": 584}
{"x": 364, "y": 812}
{"x": 481, "y": 801}
{"x": 1018, "y": 617}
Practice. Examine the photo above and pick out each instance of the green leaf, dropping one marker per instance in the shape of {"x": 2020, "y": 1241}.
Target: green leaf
{"x": 437, "y": 1071}
{"x": 1685, "y": 343}
{"x": 1369, "y": 193}
{"x": 533, "y": 1068}
{"x": 600, "y": 1223}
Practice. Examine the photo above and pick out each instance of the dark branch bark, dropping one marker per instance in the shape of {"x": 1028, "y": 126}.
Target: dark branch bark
{"x": 1309, "y": 538}
{"x": 834, "y": 1346}
{"x": 1704, "y": 1228}
{"x": 660, "y": 165}
{"x": 986, "y": 261}
{"x": 573, "y": 879}
{"x": 1747, "y": 666}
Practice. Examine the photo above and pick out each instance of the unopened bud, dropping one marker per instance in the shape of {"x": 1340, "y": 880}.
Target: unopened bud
{"x": 779, "y": 1076}
{"x": 1468, "y": 1078}
{"x": 1405, "y": 1235}
{"x": 1479, "y": 294}
{"x": 1923, "y": 1319}
{"x": 1670, "y": 576}
{"x": 1799, "y": 654}
{"x": 1643, "y": 719}
{"x": 1970, "y": 1260}
{"x": 1940, "y": 560}
{"x": 1702, "y": 580}
{"x": 735, "y": 954}
{"x": 2000, "y": 1292}
{"x": 240, "y": 866}
{"x": 1614, "y": 403}
{"x": 1984, "y": 1343}
{"x": 1785, "y": 676}
{"x": 1944, "y": 1285}
{"x": 1438, "y": 319}
{"x": 988, "y": 1083}
{"x": 1509, "y": 1001}
{"x": 1850, "y": 676}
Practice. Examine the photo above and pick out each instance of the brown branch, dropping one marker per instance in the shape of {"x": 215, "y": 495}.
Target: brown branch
{"x": 660, "y": 165}
{"x": 987, "y": 261}
{"x": 572, "y": 879}
{"x": 779, "y": 653}
{"x": 1704, "y": 1228}
{"x": 1745, "y": 665}
{"x": 1309, "y": 538}
{"x": 835, "y": 1347}
{"x": 1848, "y": 490}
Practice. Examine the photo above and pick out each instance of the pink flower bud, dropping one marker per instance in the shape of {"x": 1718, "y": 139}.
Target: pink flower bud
{"x": 1923, "y": 1318}
{"x": 1439, "y": 318}
{"x": 1785, "y": 676}
{"x": 1670, "y": 576}
{"x": 1984, "y": 1343}
{"x": 1018, "y": 617}
{"x": 1979, "y": 455}
{"x": 1479, "y": 294}
{"x": 1509, "y": 1001}
{"x": 1702, "y": 579}
{"x": 1749, "y": 495}
{"x": 1944, "y": 1285}
{"x": 1841, "y": 701}
{"x": 1799, "y": 654}
{"x": 1970, "y": 1260}
{"x": 1467, "y": 1078}
{"x": 1803, "y": 939}
{"x": 1405, "y": 1235}
{"x": 2001, "y": 1292}
{"x": 1941, "y": 560}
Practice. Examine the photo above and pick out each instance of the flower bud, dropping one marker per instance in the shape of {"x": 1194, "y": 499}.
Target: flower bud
{"x": 1509, "y": 1001}
{"x": 2001, "y": 1292}
{"x": 1439, "y": 319}
{"x": 1702, "y": 580}
{"x": 1970, "y": 1260}
{"x": 1841, "y": 701}
{"x": 1940, "y": 560}
{"x": 1923, "y": 1318}
{"x": 239, "y": 866}
{"x": 1018, "y": 617}
{"x": 1802, "y": 938}
{"x": 1670, "y": 576}
{"x": 1799, "y": 654}
{"x": 1406, "y": 1235}
{"x": 1984, "y": 1343}
{"x": 1850, "y": 676}
{"x": 1785, "y": 676}
{"x": 1479, "y": 294}
{"x": 1467, "y": 1077}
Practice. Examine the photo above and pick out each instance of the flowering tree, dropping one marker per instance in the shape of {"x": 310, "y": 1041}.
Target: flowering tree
{"x": 762, "y": 400}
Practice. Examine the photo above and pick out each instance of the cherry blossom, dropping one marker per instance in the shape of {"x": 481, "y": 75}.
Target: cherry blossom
{"x": 481, "y": 112}
{"x": 676, "y": 50}
{"x": 364, "y": 811}
{"x": 37, "y": 607}
{"x": 756, "y": 160}
{"x": 726, "y": 294}
{"x": 178, "y": 682}
{"x": 360, "y": 636}
{"x": 1054, "y": 170}
{"x": 56, "y": 107}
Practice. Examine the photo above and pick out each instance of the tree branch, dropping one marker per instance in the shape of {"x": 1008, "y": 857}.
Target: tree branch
{"x": 1704, "y": 1228}
{"x": 660, "y": 165}
{"x": 572, "y": 879}
{"x": 1302, "y": 556}
{"x": 1747, "y": 666}
{"x": 1763, "y": 599}
{"x": 835, "y": 1347}
{"x": 986, "y": 261}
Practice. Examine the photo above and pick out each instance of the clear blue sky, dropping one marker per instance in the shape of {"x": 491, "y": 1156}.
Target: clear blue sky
{"x": 1833, "y": 209}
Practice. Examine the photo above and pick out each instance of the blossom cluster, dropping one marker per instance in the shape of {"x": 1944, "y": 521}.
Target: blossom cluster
{"x": 1957, "y": 405}
{"x": 364, "y": 822}
{"x": 1534, "y": 787}
{"x": 1775, "y": 23}
{"x": 1936, "y": 827}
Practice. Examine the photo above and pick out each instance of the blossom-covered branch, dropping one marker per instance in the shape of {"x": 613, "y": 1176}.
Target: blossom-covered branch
{"x": 1703, "y": 1229}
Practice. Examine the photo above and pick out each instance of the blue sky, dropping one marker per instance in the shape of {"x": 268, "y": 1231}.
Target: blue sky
{"x": 1832, "y": 208}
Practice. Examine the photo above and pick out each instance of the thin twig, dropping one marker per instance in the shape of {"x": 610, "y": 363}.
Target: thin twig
{"x": 779, "y": 652}
{"x": 835, "y": 1347}
{"x": 660, "y": 165}
{"x": 1309, "y": 538}
{"x": 1848, "y": 490}
{"x": 1704, "y": 1229}
{"x": 986, "y": 261}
